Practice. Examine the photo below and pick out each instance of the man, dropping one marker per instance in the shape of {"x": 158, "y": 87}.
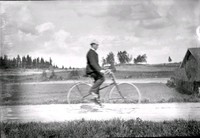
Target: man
{"x": 94, "y": 70}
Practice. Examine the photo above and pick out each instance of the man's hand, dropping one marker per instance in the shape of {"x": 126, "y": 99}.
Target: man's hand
{"x": 103, "y": 71}
{"x": 107, "y": 71}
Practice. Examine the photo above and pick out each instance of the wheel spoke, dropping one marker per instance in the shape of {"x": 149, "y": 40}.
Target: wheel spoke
{"x": 125, "y": 93}
{"x": 78, "y": 92}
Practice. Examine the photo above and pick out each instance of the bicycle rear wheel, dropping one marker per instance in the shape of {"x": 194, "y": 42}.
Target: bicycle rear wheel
{"x": 125, "y": 93}
{"x": 78, "y": 93}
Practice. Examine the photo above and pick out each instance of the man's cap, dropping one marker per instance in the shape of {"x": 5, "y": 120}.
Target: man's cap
{"x": 94, "y": 42}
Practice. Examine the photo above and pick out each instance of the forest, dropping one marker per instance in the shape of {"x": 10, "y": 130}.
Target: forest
{"x": 26, "y": 62}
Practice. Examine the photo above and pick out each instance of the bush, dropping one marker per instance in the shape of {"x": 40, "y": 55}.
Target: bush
{"x": 53, "y": 75}
{"x": 111, "y": 128}
{"x": 44, "y": 75}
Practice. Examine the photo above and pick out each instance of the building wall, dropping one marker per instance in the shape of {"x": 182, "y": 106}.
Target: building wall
{"x": 186, "y": 78}
{"x": 197, "y": 86}
{"x": 187, "y": 86}
{"x": 191, "y": 68}
{"x": 180, "y": 74}
{"x": 198, "y": 74}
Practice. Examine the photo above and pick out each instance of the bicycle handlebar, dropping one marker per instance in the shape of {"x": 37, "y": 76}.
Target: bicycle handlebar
{"x": 112, "y": 75}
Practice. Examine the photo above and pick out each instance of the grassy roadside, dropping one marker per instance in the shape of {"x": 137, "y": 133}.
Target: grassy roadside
{"x": 111, "y": 128}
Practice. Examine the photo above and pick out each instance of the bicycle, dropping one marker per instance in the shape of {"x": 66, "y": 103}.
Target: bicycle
{"x": 119, "y": 92}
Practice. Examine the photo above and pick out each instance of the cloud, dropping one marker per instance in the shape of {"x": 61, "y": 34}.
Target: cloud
{"x": 134, "y": 17}
{"x": 25, "y": 15}
{"x": 134, "y": 10}
{"x": 19, "y": 23}
{"x": 179, "y": 37}
{"x": 26, "y": 36}
{"x": 90, "y": 8}
{"x": 19, "y": 16}
{"x": 61, "y": 35}
{"x": 45, "y": 27}
{"x": 159, "y": 23}
{"x": 65, "y": 30}
{"x": 184, "y": 12}
{"x": 2, "y": 9}
{"x": 126, "y": 10}
{"x": 163, "y": 7}
{"x": 57, "y": 44}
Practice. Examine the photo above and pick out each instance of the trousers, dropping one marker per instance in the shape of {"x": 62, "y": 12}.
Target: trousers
{"x": 98, "y": 80}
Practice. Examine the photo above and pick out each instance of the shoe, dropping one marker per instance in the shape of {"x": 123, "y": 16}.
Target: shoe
{"x": 97, "y": 101}
{"x": 94, "y": 95}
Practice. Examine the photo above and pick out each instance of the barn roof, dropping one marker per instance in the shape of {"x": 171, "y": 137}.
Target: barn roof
{"x": 195, "y": 52}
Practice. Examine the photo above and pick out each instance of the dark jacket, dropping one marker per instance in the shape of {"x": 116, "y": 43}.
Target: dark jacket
{"x": 92, "y": 62}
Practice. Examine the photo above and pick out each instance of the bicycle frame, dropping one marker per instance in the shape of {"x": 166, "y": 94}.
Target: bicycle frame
{"x": 114, "y": 89}
{"x": 113, "y": 79}
{"x": 113, "y": 83}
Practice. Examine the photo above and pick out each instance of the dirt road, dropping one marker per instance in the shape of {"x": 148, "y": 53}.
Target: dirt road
{"x": 139, "y": 80}
{"x": 65, "y": 112}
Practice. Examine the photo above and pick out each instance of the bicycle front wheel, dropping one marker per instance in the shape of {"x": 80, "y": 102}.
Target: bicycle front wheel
{"x": 78, "y": 92}
{"x": 125, "y": 93}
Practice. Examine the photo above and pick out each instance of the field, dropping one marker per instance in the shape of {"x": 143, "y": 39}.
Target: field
{"x": 96, "y": 129}
{"x": 123, "y": 72}
{"x": 34, "y": 87}
{"x": 148, "y": 67}
{"x": 21, "y": 87}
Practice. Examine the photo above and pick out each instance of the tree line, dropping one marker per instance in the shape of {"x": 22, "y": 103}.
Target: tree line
{"x": 124, "y": 57}
{"x": 25, "y": 62}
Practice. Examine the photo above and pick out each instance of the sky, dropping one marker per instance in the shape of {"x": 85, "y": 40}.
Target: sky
{"x": 63, "y": 30}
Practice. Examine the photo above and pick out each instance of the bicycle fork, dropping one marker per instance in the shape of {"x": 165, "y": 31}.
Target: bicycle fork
{"x": 117, "y": 87}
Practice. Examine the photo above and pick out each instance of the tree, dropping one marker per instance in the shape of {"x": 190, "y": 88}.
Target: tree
{"x": 19, "y": 62}
{"x": 124, "y": 57}
{"x": 110, "y": 59}
{"x": 13, "y": 63}
{"x": 42, "y": 63}
{"x": 4, "y": 61}
{"x": 38, "y": 62}
{"x": 28, "y": 62}
{"x": 1, "y": 62}
{"x": 140, "y": 59}
{"x": 34, "y": 63}
{"x": 50, "y": 62}
{"x": 23, "y": 62}
{"x": 103, "y": 61}
{"x": 169, "y": 59}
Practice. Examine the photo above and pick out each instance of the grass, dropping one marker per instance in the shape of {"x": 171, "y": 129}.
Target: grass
{"x": 147, "y": 67}
{"x": 96, "y": 129}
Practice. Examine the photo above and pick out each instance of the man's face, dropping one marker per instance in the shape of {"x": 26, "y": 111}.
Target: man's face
{"x": 95, "y": 46}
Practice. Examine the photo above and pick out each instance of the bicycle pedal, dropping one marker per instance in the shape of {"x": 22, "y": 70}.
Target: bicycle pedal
{"x": 96, "y": 102}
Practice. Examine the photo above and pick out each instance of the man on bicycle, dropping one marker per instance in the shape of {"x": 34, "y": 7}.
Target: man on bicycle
{"x": 94, "y": 70}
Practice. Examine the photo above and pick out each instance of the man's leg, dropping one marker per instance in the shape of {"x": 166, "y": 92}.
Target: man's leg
{"x": 98, "y": 80}
{"x": 95, "y": 90}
